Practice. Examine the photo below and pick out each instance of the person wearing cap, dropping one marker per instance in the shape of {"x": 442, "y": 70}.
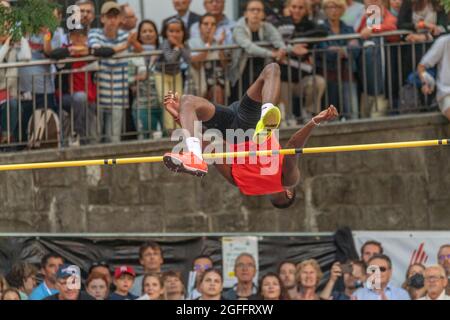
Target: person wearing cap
{"x": 123, "y": 279}
{"x": 113, "y": 74}
{"x": 68, "y": 282}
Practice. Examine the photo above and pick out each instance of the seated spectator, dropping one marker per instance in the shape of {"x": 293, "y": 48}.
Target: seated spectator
{"x": 168, "y": 71}
{"x": 373, "y": 101}
{"x": 395, "y": 6}
{"x": 11, "y": 294}
{"x": 199, "y": 266}
{"x": 174, "y": 288}
{"x": 249, "y": 62}
{"x": 50, "y": 264}
{"x": 97, "y": 286}
{"x": 304, "y": 83}
{"x": 245, "y": 271}
{"x": 308, "y": 275}
{"x": 369, "y": 249}
{"x": 414, "y": 281}
{"x": 208, "y": 67}
{"x": 124, "y": 277}
{"x": 211, "y": 285}
{"x": 23, "y": 277}
{"x": 224, "y": 24}
{"x": 443, "y": 258}
{"x": 271, "y": 288}
{"x": 3, "y": 285}
{"x": 438, "y": 55}
{"x": 353, "y": 14}
{"x": 102, "y": 267}
{"x": 184, "y": 13}
{"x": 435, "y": 283}
{"x": 10, "y": 52}
{"x": 67, "y": 289}
{"x": 342, "y": 87}
{"x": 152, "y": 287}
{"x": 129, "y": 18}
{"x": 141, "y": 77}
{"x": 386, "y": 290}
{"x": 354, "y": 274}
{"x": 151, "y": 258}
{"x": 112, "y": 79}
{"x": 286, "y": 272}
{"x": 87, "y": 10}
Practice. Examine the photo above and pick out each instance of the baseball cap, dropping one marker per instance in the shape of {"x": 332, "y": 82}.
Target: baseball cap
{"x": 124, "y": 270}
{"x": 66, "y": 270}
{"x": 108, "y": 6}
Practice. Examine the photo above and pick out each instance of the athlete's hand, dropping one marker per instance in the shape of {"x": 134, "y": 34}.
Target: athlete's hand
{"x": 172, "y": 104}
{"x": 327, "y": 115}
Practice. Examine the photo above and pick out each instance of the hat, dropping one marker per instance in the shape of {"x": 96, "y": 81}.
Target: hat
{"x": 67, "y": 270}
{"x": 108, "y": 6}
{"x": 124, "y": 270}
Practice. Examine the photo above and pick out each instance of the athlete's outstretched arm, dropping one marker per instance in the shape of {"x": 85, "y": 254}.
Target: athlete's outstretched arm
{"x": 291, "y": 173}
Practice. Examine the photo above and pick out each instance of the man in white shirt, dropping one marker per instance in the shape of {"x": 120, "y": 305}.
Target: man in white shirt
{"x": 435, "y": 283}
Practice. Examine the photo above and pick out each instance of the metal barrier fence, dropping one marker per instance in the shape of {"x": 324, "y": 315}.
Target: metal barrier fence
{"x": 362, "y": 78}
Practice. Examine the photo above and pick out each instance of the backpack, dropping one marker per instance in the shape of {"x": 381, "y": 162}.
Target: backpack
{"x": 44, "y": 130}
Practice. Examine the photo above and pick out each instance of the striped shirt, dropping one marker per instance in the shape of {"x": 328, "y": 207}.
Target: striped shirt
{"x": 113, "y": 75}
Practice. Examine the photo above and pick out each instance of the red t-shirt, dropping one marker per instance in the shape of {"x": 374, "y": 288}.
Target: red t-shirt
{"x": 79, "y": 81}
{"x": 258, "y": 175}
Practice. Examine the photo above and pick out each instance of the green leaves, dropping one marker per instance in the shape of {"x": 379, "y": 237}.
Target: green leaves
{"x": 28, "y": 17}
{"x": 446, "y": 4}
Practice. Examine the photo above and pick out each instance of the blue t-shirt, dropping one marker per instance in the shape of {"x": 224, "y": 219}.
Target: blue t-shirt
{"x": 41, "y": 292}
{"x": 115, "y": 296}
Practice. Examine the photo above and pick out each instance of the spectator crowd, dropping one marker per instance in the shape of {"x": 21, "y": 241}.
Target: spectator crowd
{"x": 369, "y": 278}
{"x": 122, "y": 91}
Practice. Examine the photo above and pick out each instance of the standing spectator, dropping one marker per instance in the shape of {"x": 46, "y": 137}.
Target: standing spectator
{"x": 152, "y": 287}
{"x": 97, "y": 286}
{"x": 435, "y": 283}
{"x": 141, "y": 69}
{"x": 341, "y": 86}
{"x": 316, "y": 11}
{"x": 444, "y": 260}
{"x": 124, "y": 277}
{"x": 68, "y": 291}
{"x": 151, "y": 258}
{"x": 439, "y": 54}
{"x": 414, "y": 282}
{"x": 386, "y": 291}
{"x": 271, "y": 288}
{"x": 369, "y": 249}
{"x": 309, "y": 275}
{"x": 395, "y": 7}
{"x": 199, "y": 266}
{"x": 354, "y": 273}
{"x": 304, "y": 83}
{"x": 102, "y": 267}
{"x": 50, "y": 265}
{"x": 353, "y": 14}
{"x": 113, "y": 75}
{"x": 10, "y": 52}
{"x": 174, "y": 288}
{"x": 23, "y": 277}
{"x": 208, "y": 67}
{"x": 373, "y": 101}
{"x": 211, "y": 284}
{"x": 245, "y": 271}
{"x": 87, "y": 10}
{"x": 168, "y": 70}
{"x": 129, "y": 18}
{"x": 11, "y": 294}
{"x": 187, "y": 16}
{"x": 286, "y": 272}
{"x": 224, "y": 24}
{"x": 3, "y": 285}
{"x": 249, "y": 62}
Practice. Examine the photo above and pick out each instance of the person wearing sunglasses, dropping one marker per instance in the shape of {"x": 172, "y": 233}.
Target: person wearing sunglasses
{"x": 378, "y": 285}
{"x": 200, "y": 264}
{"x": 102, "y": 267}
{"x": 444, "y": 261}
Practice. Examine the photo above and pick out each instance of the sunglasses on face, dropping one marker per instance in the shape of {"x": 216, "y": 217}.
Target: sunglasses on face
{"x": 443, "y": 257}
{"x": 202, "y": 267}
{"x": 382, "y": 269}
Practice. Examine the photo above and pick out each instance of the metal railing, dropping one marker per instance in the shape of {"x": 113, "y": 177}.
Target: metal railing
{"x": 363, "y": 80}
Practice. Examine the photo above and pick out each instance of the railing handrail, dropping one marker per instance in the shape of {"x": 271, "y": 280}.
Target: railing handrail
{"x": 212, "y": 48}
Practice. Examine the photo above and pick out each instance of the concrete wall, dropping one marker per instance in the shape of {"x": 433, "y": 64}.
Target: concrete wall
{"x": 378, "y": 190}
